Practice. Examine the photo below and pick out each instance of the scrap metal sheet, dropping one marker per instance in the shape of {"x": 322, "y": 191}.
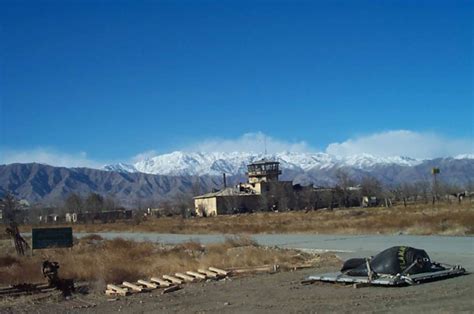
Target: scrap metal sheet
{"x": 388, "y": 280}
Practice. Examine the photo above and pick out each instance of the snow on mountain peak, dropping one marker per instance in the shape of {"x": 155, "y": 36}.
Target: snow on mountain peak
{"x": 180, "y": 163}
{"x": 121, "y": 167}
{"x": 464, "y": 156}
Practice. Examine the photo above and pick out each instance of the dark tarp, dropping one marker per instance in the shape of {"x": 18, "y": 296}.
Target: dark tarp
{"x": 392, "y": 261}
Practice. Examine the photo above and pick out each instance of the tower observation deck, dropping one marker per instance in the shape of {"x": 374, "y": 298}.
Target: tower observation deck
{"x": 263, "y": 170}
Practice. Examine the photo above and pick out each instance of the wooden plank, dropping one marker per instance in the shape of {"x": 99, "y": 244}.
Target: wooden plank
{"x": 161, "y": 282}
{"x": 219, "y": 271}
{"x": 308, "y": 281}
{"x": 361, "y": 285}
{"x": 171, "y": 289}
{"x": 173, "y": 279}
{"x": 254, "y": 269}
{"x": 113, "y": 292}
{"x": 116, "y": 288}
{"x": 132, "y": 286}
{"x": 184, "y": 277}
{"x": 26, "y": 292}
{"x": 25, "y": 287}
{"x": 197, "y": 275}
{"x": 148, "y": 284}
{"x": 208, "y": 273}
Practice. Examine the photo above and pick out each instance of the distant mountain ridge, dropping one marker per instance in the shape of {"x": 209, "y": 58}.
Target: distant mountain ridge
{"x": 216, "y": 163}
{"x": 196, "y": 173}
{"x": 51, "y": 185}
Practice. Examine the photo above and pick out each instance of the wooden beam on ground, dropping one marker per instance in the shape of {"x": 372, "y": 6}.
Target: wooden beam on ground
{"x": 219, "y": 271}
{"x": 117, "y": 289}
{"x": 196, "y": 275}
{"x": 208, "y": 273}
{"x": 148, "y": 284}
{"x": 184, "y": 277}
{"x": 132, "y": 286}
{"x": 171, "y": 289}
{"x": 13, "y": 293}
{"x": 361, "y": 285}
{"x": 308, "y": 281}
{"x": 302, "y": 266}
{"x": 269, "y": 268}
{"x": 113, "y": 292}
{"x": 173, "y": 279}
{"x": 161, "y": 282}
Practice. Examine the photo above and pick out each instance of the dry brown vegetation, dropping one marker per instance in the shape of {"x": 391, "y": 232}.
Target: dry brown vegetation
{"x": 443, "y": 219}
{"x": 102, "y": 261}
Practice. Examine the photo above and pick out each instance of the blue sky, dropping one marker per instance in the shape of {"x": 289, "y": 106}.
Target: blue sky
{"x": 107, "y": 80}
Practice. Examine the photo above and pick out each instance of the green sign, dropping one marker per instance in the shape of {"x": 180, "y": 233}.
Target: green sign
{"x": 48, "y": 238}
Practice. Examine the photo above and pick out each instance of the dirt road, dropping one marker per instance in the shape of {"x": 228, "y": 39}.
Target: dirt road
{"x": 279, "y": 293}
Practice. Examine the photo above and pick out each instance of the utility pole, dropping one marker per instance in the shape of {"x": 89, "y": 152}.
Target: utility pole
{"x": 435, "y": 172}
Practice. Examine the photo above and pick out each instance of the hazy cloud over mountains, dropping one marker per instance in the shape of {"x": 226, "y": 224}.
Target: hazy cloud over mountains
{"x": 250, "y": 142}
{"x": 403, "y": 143}
{"x": 419, "y": 145}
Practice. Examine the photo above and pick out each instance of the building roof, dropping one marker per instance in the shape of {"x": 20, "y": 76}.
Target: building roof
{"x": 230, "y": 191}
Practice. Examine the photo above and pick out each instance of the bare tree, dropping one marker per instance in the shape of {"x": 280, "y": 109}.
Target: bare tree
{"x": 196, "y": 186}
{"x": 9, "y": 205}
{"x": 109, "y": 203}
{"x": 94, "y": 202}
{"x": 342, "y": 191}
{"x": 74, "y": 203}
{"x": 423, "y": 188}
{"x": 371, "y": 187}
{"x": 308, "y": 199}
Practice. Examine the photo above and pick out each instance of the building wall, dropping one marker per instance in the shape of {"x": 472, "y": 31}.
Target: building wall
{"x": 206, "y": 206}
{"x": 237, "y": 204}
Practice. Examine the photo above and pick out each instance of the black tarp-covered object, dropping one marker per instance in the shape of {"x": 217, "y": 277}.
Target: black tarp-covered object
{"x": 392, "y": 261}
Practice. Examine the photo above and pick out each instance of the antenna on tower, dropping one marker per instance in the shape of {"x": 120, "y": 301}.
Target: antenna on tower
{"x": 265, "y": 144}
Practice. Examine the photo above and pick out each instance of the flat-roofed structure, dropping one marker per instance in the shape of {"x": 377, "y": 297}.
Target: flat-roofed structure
{"x": 260, "y": 192}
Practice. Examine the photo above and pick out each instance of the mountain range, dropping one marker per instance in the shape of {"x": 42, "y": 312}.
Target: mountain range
{"x": 216, "y": 163}
{"x": 169, "y": 176}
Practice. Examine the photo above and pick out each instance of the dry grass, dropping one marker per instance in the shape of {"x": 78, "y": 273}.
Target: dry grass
{"x": 105, "y": 261}
{"x": 444, "y": 219}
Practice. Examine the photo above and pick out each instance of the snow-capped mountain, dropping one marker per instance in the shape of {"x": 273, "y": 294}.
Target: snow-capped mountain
{"x": 183, "y": 163}
{"x": 169, "y": 176}
{"x": 464, "y": 156}
{"x": 121, "y": 167}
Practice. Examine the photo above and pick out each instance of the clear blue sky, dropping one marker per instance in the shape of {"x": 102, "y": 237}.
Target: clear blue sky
{"x": 116, "y": 78}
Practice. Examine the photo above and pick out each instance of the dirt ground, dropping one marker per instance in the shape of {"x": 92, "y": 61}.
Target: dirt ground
{"x": 267, "y": 293}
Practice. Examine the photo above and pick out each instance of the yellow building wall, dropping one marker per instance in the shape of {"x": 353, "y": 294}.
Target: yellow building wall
{"x": 205, "y": 206}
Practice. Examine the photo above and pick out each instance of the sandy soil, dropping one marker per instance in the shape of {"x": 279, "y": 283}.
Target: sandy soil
{"x": 281, "y": 292}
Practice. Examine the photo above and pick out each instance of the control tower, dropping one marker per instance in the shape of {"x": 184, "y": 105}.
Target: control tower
{"x": 263, "y": 171}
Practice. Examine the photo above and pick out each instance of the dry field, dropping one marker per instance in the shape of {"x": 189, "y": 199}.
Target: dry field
{"x": 443, "y": 219}
{"x": 100, "y": 261}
